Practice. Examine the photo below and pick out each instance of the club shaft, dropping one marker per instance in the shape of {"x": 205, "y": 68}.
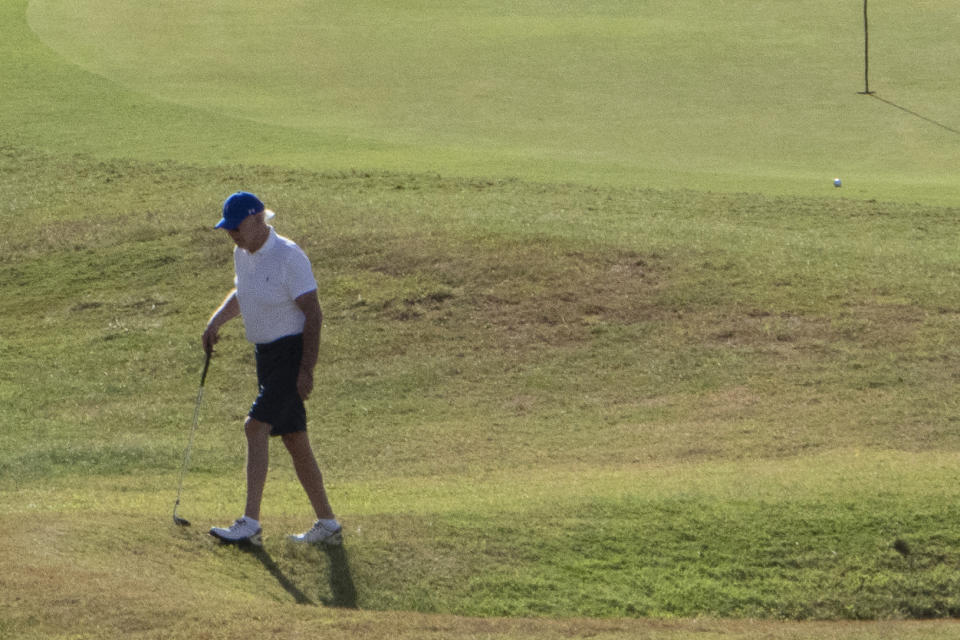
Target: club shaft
{"x": 186, "y": 454}
{"x": 193, "y": 432}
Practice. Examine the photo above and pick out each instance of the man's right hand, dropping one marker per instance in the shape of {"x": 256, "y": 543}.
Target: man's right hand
{"x": 210, "y": 337}
{"x": 227, "y": 311}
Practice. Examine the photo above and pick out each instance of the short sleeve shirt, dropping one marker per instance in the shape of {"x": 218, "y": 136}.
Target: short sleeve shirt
{"x": 268, "y": 283}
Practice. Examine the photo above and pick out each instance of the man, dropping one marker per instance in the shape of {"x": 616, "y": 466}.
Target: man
{"x": 276, "y": 294}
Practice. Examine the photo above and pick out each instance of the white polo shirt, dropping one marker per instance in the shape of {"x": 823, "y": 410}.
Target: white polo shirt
{"x": 268, "y": 283}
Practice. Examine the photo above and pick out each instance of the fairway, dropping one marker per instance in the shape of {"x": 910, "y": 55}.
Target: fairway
{"x": 605, "y": 352}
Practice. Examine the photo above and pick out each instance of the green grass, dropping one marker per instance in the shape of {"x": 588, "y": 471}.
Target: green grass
{"x": 721, "y": 96}
{"x": 658, "y": 403}
{"x": 513, "y": 422}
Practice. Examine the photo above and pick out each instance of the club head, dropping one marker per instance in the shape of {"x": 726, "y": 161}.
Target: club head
{"x": 177, "y": 520}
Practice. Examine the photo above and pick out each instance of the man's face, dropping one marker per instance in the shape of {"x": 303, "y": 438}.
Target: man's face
{"x": 246, "y": 232}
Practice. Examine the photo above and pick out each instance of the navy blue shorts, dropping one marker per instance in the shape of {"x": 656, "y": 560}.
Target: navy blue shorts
{"x": 279, "y": 403}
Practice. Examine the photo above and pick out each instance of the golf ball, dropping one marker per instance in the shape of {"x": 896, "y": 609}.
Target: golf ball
{"x": 837, "y": 182}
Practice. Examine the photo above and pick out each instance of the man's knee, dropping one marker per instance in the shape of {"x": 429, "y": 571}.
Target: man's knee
{"x": 298, "y": 444}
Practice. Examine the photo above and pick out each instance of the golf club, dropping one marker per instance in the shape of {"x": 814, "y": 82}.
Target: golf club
{"x": 177, "y": 520}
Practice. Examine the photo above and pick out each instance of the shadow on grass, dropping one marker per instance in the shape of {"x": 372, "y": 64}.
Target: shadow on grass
{"x": 270, "y": 565}
{"x": 874, "y": 95}
{"x": 343, "y": 591}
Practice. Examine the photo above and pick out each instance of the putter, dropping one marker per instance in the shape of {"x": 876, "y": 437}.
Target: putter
{"x": 177, "y": 520}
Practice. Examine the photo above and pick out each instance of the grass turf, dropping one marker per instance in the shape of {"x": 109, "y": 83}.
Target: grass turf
{"x": 538, "y": 399}
{"x": 513, "y": 423}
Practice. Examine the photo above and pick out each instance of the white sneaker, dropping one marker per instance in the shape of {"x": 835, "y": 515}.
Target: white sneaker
{"x": 323, "y": 532}
{"x": 244, "y": 530}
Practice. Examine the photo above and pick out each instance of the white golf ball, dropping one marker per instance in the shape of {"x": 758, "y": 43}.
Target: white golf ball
{"x": 837, "y": 182}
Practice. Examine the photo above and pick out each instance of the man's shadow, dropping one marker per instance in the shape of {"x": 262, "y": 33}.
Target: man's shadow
{"x": 270, "y": 565}
{"x": 342, "y": 589}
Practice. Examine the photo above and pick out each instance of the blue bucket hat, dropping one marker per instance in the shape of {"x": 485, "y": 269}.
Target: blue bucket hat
{"x": 237, "y": 207}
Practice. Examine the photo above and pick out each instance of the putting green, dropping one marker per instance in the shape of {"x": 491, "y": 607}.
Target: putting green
{"x": 665, "y": 93}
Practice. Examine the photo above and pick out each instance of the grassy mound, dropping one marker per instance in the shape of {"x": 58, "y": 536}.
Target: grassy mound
{"x": 533, "y": 401}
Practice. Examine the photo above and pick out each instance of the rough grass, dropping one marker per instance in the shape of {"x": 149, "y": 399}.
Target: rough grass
{"x": 619, "y": 329}
{"x": 534, "y": 402}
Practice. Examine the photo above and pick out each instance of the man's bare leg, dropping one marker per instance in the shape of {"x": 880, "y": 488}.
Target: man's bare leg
{"x": 308, "y": 471}
{"x": 258, "y": 461}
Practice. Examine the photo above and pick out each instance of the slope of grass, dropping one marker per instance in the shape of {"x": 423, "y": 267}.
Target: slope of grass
{"x": 629, "y": 342}
{"x": 664, "y": 541}
{"x": 533, "y": 401}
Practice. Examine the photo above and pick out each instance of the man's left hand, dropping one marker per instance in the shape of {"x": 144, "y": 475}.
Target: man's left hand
{"x": 304, "y": 384}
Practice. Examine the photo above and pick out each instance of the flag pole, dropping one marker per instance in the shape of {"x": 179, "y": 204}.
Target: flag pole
{"x": 866, "y": 52}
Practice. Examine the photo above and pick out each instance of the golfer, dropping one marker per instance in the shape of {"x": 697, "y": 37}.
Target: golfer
{"x": 276, "y": 294}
